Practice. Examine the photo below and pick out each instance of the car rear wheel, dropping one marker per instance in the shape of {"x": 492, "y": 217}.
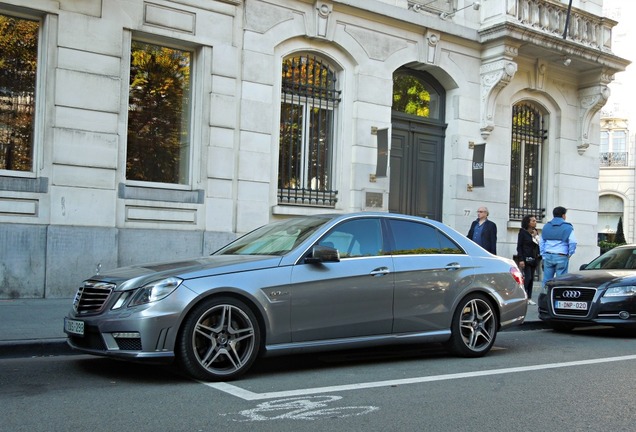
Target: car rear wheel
{"x": 474, "y": 327}
{"x": 219, "y": 340}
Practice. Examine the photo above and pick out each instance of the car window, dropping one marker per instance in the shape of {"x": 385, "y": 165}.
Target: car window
{"x": 274, "y": 239}
{"x": 615, "y": 259}
{"x": 356, "y": 238}
{"x": 420, "y": 238}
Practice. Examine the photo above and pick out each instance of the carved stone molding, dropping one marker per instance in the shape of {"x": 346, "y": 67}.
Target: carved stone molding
{"x": 432, "y": 47}
{"x": 540, "y": 72}
{"x": 591, "y": 100}
{"x": 494, "y": 77}
{"x": 322, "y": 14}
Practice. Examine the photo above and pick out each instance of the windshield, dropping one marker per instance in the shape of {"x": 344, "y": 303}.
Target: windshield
{"x": 615, "y": 259}
{"x": 276, "y": 238}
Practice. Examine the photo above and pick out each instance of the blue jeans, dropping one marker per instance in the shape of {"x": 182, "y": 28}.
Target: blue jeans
{"x": 554, "y": 265}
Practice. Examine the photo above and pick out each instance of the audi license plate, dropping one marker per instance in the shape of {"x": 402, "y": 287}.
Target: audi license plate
{"x": 559, "y": 304}
{"x": 74, "y": 327}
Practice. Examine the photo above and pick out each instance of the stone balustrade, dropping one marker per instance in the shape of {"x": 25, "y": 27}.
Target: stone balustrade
{"x": 550, "y": 17}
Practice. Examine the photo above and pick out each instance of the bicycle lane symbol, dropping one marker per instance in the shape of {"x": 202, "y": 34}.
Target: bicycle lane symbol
{"x": 300, "y": 408}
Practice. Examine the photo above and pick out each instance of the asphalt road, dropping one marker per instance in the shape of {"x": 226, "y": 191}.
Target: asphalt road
{"x": 535, "y": 380}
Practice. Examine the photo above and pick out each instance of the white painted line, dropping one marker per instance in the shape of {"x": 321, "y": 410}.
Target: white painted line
{"x": 248, "y": 395}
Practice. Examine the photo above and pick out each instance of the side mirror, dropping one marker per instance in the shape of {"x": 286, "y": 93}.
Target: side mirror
{"x": 321, "y": 254}
{"x": 583, "y": 267}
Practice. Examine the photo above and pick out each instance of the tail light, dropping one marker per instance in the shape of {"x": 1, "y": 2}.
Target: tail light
{"x": 517, "y": 275}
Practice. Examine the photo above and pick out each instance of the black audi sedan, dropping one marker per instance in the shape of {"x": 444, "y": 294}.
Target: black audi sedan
{"x": 602, "y": 292}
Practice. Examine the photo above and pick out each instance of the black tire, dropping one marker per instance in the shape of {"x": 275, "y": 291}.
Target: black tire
{"x": 219, "y": 340}
{"x": 474, "y": 327}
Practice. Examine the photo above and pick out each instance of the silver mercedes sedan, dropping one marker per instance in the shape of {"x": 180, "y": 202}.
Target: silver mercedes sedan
{"x": 302, "y": 284}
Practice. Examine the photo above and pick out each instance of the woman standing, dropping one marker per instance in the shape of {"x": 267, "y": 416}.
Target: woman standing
{"x": 528, "y": 252}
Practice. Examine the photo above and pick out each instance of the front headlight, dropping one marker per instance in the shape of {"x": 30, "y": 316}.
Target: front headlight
{"x": 155, "y": 291}
{"x": 621, "y": 291}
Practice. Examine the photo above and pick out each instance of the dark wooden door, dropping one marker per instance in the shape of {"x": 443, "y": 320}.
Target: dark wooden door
{"x": 416, "y": 168}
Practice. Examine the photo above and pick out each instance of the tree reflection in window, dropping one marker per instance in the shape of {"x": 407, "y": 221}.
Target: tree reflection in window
{"x": 528, "y": 135}
{"x": 412, "y": 96}
{"x": 158, "y": 146}
{"x": 412, "y": 238}
{"x": 18, "y": 67}
{"x": 307, "y": 119}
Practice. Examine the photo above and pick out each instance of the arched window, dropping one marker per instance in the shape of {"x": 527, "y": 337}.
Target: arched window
{"x": 610, "y": 212}
{"x": 309, "y": 102}
{"x": 528, "y": 136}
{"x": 414, "y": 96}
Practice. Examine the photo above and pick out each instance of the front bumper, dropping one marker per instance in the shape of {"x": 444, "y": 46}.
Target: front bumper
{"x": 145, "y": 332}
{"x": 610, "y": 311}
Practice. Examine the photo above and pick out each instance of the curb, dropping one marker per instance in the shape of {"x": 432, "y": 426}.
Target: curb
{"x": 35, "y": 348}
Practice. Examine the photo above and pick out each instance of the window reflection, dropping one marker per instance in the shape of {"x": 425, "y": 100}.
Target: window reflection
{"x": 158, "y": 145}
{"x": 412, "y": 96}
{"x": 18, "y": 67}
{"x": 418, "y": 238}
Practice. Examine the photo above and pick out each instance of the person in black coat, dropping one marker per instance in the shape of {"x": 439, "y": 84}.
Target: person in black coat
{"x": 528, "y": 252}
{"x": 483, "y": 231}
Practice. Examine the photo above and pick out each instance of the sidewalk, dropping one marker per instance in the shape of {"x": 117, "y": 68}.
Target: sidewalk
{"x": 35, "y": 327}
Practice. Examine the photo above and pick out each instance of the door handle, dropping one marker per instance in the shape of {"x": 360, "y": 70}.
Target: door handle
{"x": 380, "y": 271}
{"x": 452, "y": 266}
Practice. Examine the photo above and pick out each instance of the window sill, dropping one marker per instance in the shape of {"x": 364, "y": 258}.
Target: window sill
{"x": 24, "y": 184}
{"x": 161, "y": 194}
{"x": 298, "y": 210}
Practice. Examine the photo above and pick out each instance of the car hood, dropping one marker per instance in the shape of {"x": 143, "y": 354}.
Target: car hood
{"x": 595, "y": 278}
{"x": 138, "y": 275}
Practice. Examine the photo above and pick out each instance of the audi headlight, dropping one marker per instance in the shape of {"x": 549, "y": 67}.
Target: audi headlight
{"x": 155, "y": 291}
{"x": 621, "y": 291}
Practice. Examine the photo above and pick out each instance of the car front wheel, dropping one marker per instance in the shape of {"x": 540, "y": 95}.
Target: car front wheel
{"x": 219, "y": 340}
{"x": 474, "y": 327}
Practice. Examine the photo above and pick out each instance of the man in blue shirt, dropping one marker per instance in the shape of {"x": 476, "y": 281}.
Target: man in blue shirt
{"x": 556, "y": 245}
{"x": 483, "y": 231}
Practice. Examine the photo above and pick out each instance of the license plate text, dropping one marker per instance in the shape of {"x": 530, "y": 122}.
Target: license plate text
{"x": 559, "y": 304}
{"x": 74, "y": 327}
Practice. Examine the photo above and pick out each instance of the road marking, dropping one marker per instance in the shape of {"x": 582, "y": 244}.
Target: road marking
{"x": 248, "y": 395}
{"x": 299, "y": 408}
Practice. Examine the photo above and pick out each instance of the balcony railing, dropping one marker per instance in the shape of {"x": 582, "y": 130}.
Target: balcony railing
{"x": 307, "y": 197}
{"x": 613, "y": 159}
{"x": 550, "y": 17}
{"x": 517, "y": 213}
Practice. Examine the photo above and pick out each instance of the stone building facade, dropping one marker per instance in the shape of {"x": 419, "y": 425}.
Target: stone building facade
{"x": 286, "y": 107}
{"x": 617, "y": 177}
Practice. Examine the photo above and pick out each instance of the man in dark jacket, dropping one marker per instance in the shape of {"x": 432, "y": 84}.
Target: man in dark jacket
{"x": 483, "y": 231}
{"x": 556, "y": 245}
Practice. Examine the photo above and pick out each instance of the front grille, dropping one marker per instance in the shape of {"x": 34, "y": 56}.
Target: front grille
{"x": 129, "y": 344}
{"x": 92, "y": 296}
{"x": 586, "y": 295}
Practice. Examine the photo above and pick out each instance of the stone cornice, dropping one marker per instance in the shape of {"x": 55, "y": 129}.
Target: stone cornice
{"x": 523, "y": 34}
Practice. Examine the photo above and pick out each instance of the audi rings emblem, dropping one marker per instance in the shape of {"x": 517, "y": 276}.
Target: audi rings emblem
{"x": 571, "y": 294}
